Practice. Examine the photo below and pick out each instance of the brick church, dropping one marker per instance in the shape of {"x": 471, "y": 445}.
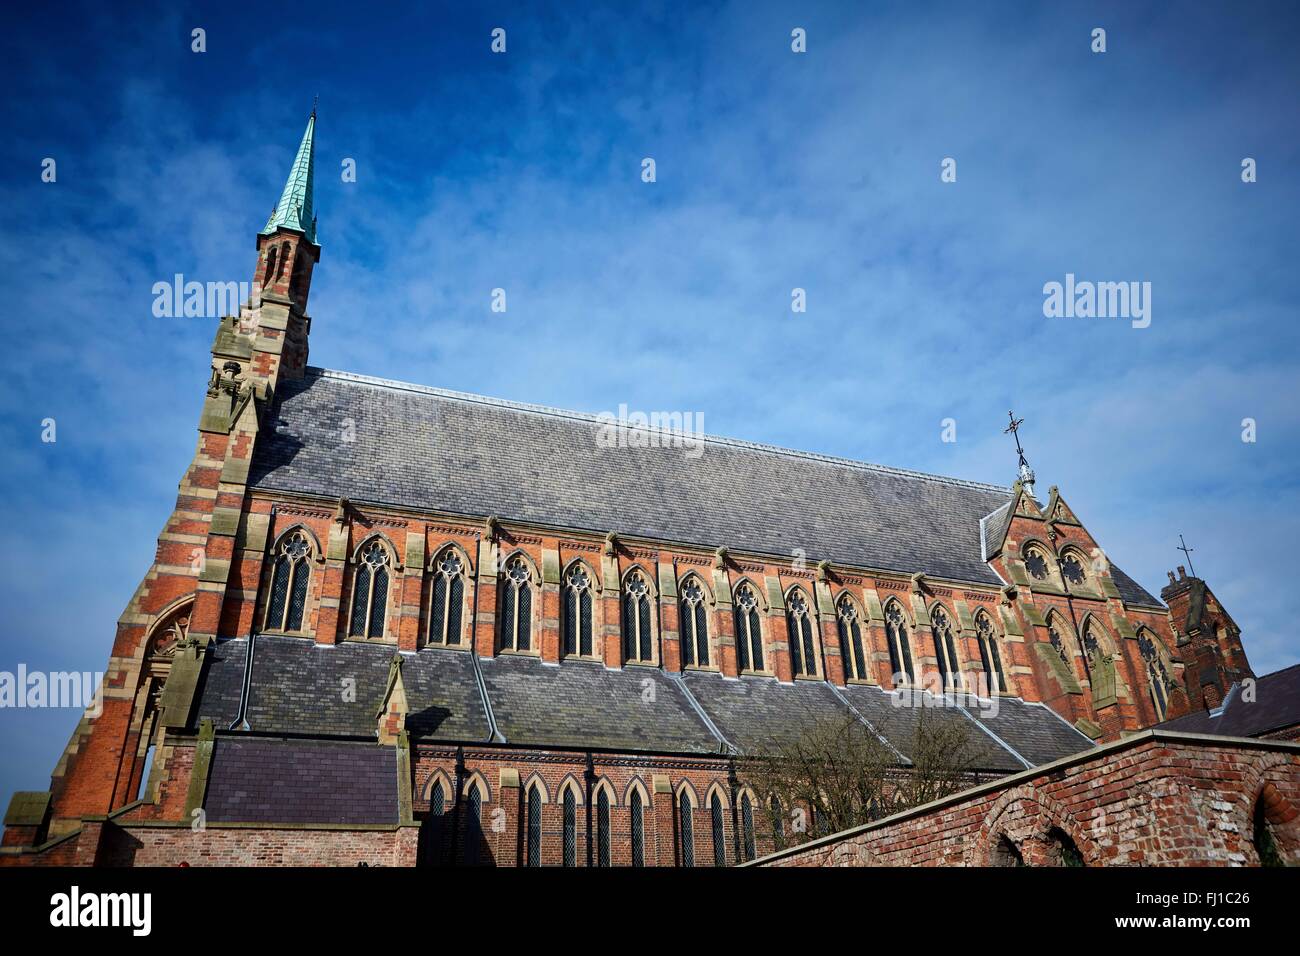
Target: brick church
{"x": 392, "y": 624}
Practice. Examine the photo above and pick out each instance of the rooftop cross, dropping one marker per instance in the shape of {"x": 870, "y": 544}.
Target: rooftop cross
{"x": 1024, "y": 472}
{"x": 1187, "y": 553}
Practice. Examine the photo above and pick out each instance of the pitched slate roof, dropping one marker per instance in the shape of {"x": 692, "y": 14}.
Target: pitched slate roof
{"x": 897, "y": 716}
{"x": 1276, "y": 705}
{"x": 300, "y": 687}
{"x": 1034, "y": 731}
{"x": 439, "y": 450}
{"x": 583, "y": 704}
{"x": 268, "y": 780}
{"x": 755, "y": 714}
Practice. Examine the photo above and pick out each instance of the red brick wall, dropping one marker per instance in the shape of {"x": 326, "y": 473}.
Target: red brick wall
{"x": 1152, "y": 800}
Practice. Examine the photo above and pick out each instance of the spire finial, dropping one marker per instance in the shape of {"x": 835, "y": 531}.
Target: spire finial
{"x": 1024, "y": 472}
{"x": 314, "y": 103}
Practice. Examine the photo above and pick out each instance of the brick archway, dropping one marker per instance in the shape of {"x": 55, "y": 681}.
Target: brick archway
{"x": 1268, "y": 784}
{"x": 1025, "y": 816}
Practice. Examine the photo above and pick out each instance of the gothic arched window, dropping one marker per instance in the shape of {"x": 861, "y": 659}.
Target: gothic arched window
{"x": 569, "y": 803}
{"x": 1058, "y": 642}
{"x": 900, "y": 646}
{"x": 747, "y": 849}
{"x": 1157, "y": 674}
{"x": 851, "y": 649}
{"x": 473, "y": 824}
{"x": 370, "y": 591}
{"x": 990, "y": 656}
{"x": 799, "y": 623}
{"x": 516, "y": 606}
{"x": 694, "y": 625}
{"x": 686, "y": 826}
{"x": 447, "y": 599}
{"x": 638, "y": 635}
{"x": 289, "y": 581}
{"x": 575, "y": 614}
{"x": 778, "y": 823}
{"x": 534, "y": 824}
{"x": 719, "y": 832}
{"x": 636, "y": 812}
{"x": 945, "y": 645}
{"x": 602, "y": 828}
{"x": 749, "y": 632}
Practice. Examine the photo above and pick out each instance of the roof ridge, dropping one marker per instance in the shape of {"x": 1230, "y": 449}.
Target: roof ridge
{"x": 554, "y": 412}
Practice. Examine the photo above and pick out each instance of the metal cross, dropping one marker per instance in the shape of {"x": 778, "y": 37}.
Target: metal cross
{"x": 1187, "y": 553}
{"x": 1014, "y": 430}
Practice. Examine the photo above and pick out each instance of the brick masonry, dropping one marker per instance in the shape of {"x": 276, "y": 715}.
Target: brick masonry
{"x": 1155, "y": 799}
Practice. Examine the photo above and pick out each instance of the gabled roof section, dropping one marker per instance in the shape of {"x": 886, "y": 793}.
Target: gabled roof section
{"x": 1274, "y": 705}
{"x": 445, "y": 451}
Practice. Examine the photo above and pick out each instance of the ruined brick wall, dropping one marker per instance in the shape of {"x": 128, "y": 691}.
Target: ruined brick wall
{"x": 1153, "y": 800}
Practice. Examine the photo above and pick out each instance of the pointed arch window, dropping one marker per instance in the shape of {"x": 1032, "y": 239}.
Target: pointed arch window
{"x": 749, "y": 632}
{"x": 447, "y": 599}
{"x": 694, "y": 625}
{"x": 289, "y": 581}
{"x": 1157, "y": 674}
{"x": 719, "y": 831}
{"x": 1058, "y": 642}
{"x": 1091, "y": 649}
{"x": 431, "y": 831}
{"x": 602, "y": 828}
{"x": 747, "y": 848}
{"x": 900, "y": 646}
{"x": 575, "y": 623}
{"x": 569, "y": 803}
{"x": 851, "y": 648}
{"x": 370, "y": 591}
{"x": 686, "y": 826}
{"x": 778, "y": 823}
{"x": 945, "y": 645}
{"x": 990, "y": 656}
{"x": 516, "y": 606}
{"x": 473, "y": 825}
{"x": 799, "y": 623}
{"x": 534, "y": 846}
{"x": 638, "y": 635}
{"x": 636, "y": 811}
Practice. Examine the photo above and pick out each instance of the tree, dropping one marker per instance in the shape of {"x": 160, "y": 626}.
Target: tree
{"x": 837, "y": 774}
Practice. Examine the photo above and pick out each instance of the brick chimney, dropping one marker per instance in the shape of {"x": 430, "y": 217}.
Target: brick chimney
{"x": 1209, "y": 641}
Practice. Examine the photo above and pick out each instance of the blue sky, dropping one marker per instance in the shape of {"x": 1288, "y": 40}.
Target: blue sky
{"x": 775, "y": 170}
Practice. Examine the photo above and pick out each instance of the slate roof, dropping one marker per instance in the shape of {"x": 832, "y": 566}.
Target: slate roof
{"x": 583, "y": 704}
{"x": 1034, "y": 731}
{"x": 268, "y": 780}
{"x": 895, "y": 717}
{"x": 298, "y": 687}
{"x": 1276, "y": 705}
{"x": 439, "y": 450}
{"x": 433, "y": 449}
{"x": 758, "y": 713}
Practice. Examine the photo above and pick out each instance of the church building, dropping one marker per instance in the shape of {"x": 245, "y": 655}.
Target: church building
{"x": 393, "y": 624}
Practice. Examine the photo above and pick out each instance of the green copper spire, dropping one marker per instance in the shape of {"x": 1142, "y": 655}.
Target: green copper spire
{"x": 294, "y": 211}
